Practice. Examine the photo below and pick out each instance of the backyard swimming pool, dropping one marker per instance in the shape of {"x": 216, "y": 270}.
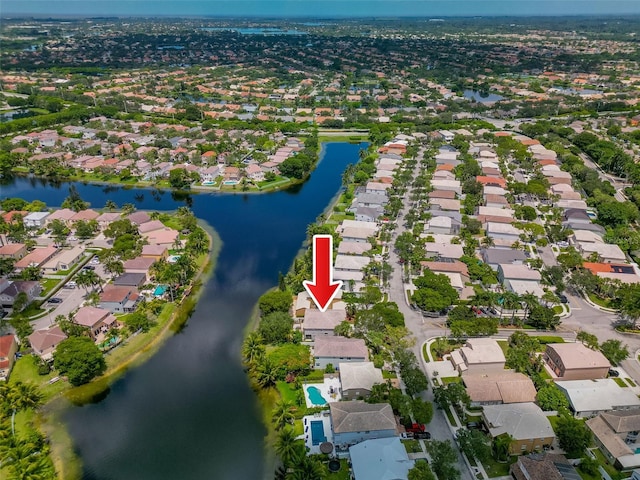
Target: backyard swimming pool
{"x": 317, "y": 432}
{"x": 159, "y": 291}
{"x": 315, "y": 396}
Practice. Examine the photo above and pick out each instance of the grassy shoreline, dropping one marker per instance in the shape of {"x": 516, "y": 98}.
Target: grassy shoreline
{"x": 136, "y": 351}
{"x": 323, "y": 137}
{"x": 268, "y": 398}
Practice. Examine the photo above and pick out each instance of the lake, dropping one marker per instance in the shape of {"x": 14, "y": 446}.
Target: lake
{"x": 188, "y": 413}
{"x": 480, "y": 97}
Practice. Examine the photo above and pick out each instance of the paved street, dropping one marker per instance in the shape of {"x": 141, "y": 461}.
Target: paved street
{"x": 583, "y": 316}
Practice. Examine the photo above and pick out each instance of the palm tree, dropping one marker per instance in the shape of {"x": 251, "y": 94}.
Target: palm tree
{"x": 502, "y": 446}
{"x": 511, "y": 301}
{"x": 266, "y": 373}
{"x": 307, "y": 468}
{"x": 197, "y": 242}
{"x": 17, "y": 397}
{"x": 114, "y": 267}
{"x": 88, "y": 278}
{"x": 282, "y": 414}
{"x": 253, "y": 348}
{"x": 487, "y": 242}
{"x": 287, "y": 447}
{"x": 110, "y": 205}
{"x": 25, "y": 461}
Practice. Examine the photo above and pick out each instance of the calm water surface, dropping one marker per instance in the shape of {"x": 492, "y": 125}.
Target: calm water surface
{"x": 188, "y": 413}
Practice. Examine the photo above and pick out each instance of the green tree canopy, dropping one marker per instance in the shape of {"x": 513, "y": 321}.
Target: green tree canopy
{"x": 276, "y": 327}
{"x": 79, "y": 359}
{"x": 275, "y": 301}
{"x": 573, "y": 435}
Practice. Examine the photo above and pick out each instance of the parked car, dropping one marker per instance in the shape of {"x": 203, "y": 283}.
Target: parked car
{"x": 613, "y": 373}
{"x": 55, "y": 300}
{"x": 88, "y": 267}
{"x": 563, "y": 298}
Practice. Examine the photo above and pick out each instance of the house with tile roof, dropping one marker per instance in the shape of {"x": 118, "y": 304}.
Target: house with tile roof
{"x": 527, "y": 424}
{"x": 575, "y": 361}
{"x": 355, "y": 422}
{"x": 336, "y": 350}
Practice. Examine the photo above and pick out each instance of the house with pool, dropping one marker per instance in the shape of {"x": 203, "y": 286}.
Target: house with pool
{"x": 355, "y": 422}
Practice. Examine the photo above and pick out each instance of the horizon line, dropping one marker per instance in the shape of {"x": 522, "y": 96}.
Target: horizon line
{"x": 18, "y": 16}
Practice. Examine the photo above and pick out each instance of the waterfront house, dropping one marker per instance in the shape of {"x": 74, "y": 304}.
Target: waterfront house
{"x": 157, "y": 252}
{"x": 139, "y": 265}
{"x": 380, "y": 459}
{"x": 96, "y": 320}
{"x": 335, "y": 350}
{"x": 8, "y": 349}
{"x": 44, "y": 342}
{"x": 119, "y": 299}
{"x": 35, "y": 219}
{"x": 317, "y": 323}
{"x": 355, "y": 422}
{"x": 358, "y": 378}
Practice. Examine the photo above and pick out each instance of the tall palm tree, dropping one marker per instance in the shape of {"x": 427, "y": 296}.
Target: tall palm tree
{"x": 511, "y": 301}
{"x": 282, "y": 414}
{"x": 287, "y": 447}
{"x": 17, "y": 397}
{"x": 253, "y": 348}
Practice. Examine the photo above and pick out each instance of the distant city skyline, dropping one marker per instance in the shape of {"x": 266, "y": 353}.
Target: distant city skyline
{"x": 319, "y": 9}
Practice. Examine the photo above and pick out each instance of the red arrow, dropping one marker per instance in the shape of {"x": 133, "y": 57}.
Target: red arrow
{"x": 323, "y": 288}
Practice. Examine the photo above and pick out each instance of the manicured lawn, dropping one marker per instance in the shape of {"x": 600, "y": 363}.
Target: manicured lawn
{"x": 48, "y": 284}
{"x": 553, "y": 420}
{"x": 426, "y": 356}
{"x": 287, "y": 392}
{"x": 412, "y": 446}
{"x": 504, "y": 345}
{"x": 315, "y": 376}
{"x": 544, "y": 339}
{"x": 620, "y": 382}
{"x": 452, "y": 420}
{"x": 342, "y": 474}
{"x": 26, "y": 370}
{"x": 389, "y": 374}
{"x": 497, "y": 469}
{"x": 599, "y": 301}
{"x": 630, "y": 382}
{"x": 558, "y": 309}
{"x": 447, "y": 380}
{"x": 613, "y": 472}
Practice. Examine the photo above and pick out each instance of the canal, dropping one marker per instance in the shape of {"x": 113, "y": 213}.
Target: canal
{"x": 189, "y": 413}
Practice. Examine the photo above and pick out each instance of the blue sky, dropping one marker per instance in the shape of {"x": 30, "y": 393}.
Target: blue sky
{"x": 320, "y": 8}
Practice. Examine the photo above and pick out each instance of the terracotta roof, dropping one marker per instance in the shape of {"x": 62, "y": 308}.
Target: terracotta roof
{"x": 42, "y": 340}
{"x": 113, "y": 293}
